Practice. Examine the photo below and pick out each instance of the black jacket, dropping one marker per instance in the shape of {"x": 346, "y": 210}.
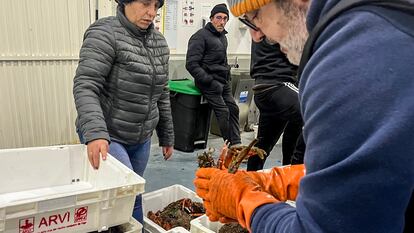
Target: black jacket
{"x": 206, "y": 57}
{"x": 270, "y": 65}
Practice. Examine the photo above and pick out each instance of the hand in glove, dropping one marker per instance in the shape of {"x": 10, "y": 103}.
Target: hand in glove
{"x": 281, "y": 182}
{"x": 230, "y": 196}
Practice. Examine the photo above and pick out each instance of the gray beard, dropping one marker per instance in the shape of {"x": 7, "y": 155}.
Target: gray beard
{"x": 296, "y": 36}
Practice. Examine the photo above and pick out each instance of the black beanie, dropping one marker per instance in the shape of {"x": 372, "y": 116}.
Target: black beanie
{"x": 219, "y": 8}
{"x": 123, "y": 2}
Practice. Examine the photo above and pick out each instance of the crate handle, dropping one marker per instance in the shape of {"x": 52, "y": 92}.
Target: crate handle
{"x": 88, "y": 197}
{"x": 21, "y": 210}
{"x": 125, "y": 191}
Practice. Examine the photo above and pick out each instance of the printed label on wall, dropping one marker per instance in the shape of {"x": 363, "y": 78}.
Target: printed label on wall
{"x": 188, "y": 12}
{"x": 170, "y": 23}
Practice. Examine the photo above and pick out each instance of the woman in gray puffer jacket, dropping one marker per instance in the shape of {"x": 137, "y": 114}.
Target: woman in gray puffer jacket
{"x": 120, "y": 88}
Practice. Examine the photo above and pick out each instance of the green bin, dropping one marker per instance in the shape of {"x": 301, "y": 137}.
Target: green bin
{"x": 191, "y": 115}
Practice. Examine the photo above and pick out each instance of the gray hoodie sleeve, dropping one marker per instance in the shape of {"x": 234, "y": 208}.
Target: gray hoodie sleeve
{"x": 95, "y": 62}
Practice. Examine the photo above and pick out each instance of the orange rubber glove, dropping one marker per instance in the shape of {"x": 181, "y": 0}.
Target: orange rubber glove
{"x": 281, "y": 182}
{"x": 230, "y": 196}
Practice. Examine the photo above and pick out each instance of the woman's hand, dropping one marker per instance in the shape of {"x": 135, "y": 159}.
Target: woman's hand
{"x": 167, "y": 151}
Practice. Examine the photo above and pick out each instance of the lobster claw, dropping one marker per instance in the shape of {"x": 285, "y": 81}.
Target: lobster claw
{"x": 223, "y": 156}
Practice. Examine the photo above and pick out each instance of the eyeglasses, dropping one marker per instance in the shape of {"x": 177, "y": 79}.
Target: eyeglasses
{"x": 247, "y": 22}
{"x": 220, "y": 18}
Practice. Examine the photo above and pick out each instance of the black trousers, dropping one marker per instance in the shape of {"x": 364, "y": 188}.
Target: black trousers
{"x": 279, "y": 113}
{"x": 226, "y": 110}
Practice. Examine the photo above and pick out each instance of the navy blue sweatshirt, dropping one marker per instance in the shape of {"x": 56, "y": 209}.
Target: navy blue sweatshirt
{"x": 357, "y": 99}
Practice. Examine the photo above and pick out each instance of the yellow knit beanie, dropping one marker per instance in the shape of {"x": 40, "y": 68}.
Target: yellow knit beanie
{"x": 239, "y": 7}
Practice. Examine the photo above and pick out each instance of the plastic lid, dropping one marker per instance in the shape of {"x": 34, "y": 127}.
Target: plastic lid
{"x": 185, "y": 86}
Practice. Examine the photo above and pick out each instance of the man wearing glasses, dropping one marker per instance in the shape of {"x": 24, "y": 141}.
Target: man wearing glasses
{"x": 207, "y": 63}
{"x": 356, "y": 95}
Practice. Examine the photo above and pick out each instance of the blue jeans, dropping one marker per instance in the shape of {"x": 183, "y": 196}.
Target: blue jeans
{"x": 135, "y": 157}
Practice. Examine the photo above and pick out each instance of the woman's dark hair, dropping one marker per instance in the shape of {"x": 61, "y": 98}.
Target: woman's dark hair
{"x": 122, "y": 3}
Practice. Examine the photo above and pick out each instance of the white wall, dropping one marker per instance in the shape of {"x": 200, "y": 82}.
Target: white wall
{"x": 239, "y": 40}
{"x": 39, "y": 49}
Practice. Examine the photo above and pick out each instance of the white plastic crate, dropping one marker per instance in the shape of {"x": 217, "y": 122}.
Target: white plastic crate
{"x": 133, "y": 226}
{"x": 203, "y": 225}
{"x": 159, "y": 199}
{"x": 55, "y": 189}
{"x": 177, "y": 230}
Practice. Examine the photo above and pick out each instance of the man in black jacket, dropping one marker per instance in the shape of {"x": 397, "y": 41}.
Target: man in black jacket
{"x": 207, "y": 63}
{"x": 276, "y": 96}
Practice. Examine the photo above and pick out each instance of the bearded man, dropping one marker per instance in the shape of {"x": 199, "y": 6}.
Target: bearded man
{"x": 207, "y": 62}
{"x": 356, "y": 95}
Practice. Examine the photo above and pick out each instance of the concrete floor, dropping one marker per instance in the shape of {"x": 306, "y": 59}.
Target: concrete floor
{"x": 181, "y": 167}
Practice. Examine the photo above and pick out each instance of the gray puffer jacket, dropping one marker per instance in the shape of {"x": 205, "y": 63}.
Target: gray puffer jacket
{"x": 120, "y": 87}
